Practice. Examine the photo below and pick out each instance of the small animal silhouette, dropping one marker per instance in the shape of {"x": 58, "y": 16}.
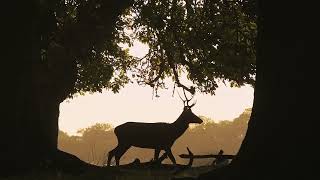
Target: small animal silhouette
{"x": 157, "y": 136}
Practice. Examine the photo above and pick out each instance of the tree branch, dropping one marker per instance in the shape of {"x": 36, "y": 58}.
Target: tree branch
{"x": 176, "y": 77}
{"x": 161, "y": 70}
{"x": 148, "y": 54}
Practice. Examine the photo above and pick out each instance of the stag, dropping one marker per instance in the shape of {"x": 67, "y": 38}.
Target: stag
{"x": 157, "y": 136}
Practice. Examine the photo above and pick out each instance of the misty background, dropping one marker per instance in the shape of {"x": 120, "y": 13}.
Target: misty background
{"x": 92, "y": 144}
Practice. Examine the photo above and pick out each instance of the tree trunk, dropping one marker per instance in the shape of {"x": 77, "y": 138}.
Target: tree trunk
{"x": 34, "y": 91}
{"x": 281, "y": 135}
{"x": 17, "y": 59}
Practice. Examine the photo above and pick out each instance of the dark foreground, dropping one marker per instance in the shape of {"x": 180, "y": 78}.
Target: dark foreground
{"x": 125, "y": 172}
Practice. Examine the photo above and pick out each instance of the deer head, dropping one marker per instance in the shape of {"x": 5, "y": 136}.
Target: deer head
{"x": 187, "y": 114}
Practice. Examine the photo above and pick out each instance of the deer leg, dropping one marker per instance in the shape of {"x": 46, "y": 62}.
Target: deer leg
{"x": 120, "y": 151}
{"x": 170, "y": 155}
{"x": 156, "y": 154}
{"x": 111, "y": 154}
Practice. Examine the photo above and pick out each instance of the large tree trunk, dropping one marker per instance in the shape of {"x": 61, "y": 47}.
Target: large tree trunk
{"x": 29, "y": 128}
{"x": 35, "y": 89}
{"x": 17, "y": 72}
{"x": 280, "y": 139}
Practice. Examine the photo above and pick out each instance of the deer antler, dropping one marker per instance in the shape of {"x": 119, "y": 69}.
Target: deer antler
{"x": 193, "y": 104}
{"x": 186, "y": 101}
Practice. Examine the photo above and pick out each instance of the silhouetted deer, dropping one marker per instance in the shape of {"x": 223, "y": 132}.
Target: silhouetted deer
{"x": 157, "y": 136}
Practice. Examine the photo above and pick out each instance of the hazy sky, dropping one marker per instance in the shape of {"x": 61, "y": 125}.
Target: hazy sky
{"x": 135, "y": 103}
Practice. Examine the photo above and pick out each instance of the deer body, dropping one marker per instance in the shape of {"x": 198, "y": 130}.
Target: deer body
{"x": 149, "y": 135}
{"x": 157, "y": 136}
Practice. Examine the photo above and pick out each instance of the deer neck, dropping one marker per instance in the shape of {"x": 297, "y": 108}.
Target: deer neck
{"x": 180, "y": 126}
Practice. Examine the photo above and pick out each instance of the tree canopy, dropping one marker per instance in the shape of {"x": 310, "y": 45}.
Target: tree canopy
{"x": 210, "y": 41}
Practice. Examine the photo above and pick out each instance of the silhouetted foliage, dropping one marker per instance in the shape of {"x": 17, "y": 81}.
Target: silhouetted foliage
{"x": 206, "y": 138}
{"x": 85, "y": 34}
{"x": 210, "y": 40}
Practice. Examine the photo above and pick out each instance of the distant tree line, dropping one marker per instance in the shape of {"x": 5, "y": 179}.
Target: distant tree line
{"x": 92, "y": 143}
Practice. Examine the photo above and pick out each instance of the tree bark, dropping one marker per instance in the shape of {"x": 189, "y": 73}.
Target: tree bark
{"x": 281, "y": 131}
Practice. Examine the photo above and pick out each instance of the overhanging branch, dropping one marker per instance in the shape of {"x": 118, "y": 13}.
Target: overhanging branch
{"x": 177, "y": 80}
{"x": 161, "y": 70}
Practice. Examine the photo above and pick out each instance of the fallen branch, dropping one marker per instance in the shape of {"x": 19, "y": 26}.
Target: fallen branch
{"x": 191, "y": 156}
{"x": 187, "y": 156}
